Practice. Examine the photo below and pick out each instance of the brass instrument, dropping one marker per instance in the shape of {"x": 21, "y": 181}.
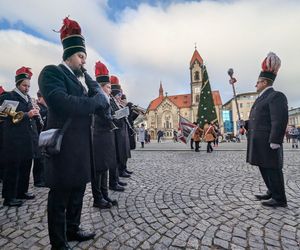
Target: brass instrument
{"x": 15, "y": 116}
{"x": 115, "y": 107}
{"x": 139, "y": 110}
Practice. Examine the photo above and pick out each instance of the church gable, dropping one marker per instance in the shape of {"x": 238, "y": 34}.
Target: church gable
{"x": 166, "y": 104}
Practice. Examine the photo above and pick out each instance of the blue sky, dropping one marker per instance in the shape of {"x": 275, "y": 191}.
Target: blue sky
{"x": 145, "y": 42}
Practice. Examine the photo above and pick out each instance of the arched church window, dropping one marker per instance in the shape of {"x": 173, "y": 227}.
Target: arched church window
{"x": 197, "y": 98}
{"x": 196, "y": 76}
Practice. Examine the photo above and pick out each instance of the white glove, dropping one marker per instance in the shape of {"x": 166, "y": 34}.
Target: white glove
{"x": 274, "y": 145}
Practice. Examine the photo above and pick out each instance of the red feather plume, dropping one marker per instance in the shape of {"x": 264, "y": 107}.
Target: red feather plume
{"x": 69, "y": 28}
{"x": 114, "y": 80}
{"x": 101, "y": 69}
{"x": 24, "y": 70}
{"x": 271, "y": 63}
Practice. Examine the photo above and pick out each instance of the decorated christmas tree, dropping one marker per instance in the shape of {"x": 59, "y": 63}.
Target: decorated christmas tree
{"x": 206, "y": 108}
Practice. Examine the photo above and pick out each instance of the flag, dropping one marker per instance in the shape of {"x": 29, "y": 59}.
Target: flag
{"x": 206, "y": 109}
{"x": 186, "y": 129}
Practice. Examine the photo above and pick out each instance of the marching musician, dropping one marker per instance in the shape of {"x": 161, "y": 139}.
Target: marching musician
{"x": 68, "y": 171}
{"x": 103, "y": 143}
{"x": 121, "y": 141}
{"x": 20, "y": 142}
{"x": 38, "y": 164}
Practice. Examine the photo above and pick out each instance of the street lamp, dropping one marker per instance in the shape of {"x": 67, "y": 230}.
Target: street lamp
{"x": 232, "y": 81}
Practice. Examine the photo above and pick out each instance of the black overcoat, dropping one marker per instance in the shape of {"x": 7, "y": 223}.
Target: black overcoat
{"x": 20, "y": 140}
{"x": 267, "y": 124}
{"x": 66, "y": 97}
{"x": 103, "y": 142}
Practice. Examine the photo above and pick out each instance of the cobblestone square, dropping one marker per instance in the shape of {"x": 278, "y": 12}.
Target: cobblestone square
{"x": 175, "y": 200}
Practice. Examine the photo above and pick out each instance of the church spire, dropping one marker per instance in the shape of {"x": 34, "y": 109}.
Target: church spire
{"x": 196, "y": 56}
{"x": 161, "y": 91}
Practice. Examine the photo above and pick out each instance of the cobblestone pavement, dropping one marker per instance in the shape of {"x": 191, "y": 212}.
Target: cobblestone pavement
{"x": 175, "y": 200}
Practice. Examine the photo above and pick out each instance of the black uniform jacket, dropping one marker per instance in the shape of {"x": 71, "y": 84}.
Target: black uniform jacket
{"x": 267, "y": 124}
{"x": 20, "y": 140}
{"x": 66, "y": 97}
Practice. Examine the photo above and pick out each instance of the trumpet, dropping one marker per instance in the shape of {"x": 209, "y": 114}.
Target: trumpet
{"x": 139, "y": 110}
{"x": 15, "y": 116}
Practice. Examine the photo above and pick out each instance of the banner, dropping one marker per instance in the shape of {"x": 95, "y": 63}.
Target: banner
{"x": 186, "y": 130}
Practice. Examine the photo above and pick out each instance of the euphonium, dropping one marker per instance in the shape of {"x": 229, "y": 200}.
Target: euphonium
{"x": 15, "y": 116}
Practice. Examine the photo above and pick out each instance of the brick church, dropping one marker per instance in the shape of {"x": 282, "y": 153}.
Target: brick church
{"x": 163, "y": 112}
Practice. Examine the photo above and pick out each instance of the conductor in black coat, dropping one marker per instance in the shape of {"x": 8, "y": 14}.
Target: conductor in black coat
{"x": 266, "y": 128}
{"x": 68, "y": 172}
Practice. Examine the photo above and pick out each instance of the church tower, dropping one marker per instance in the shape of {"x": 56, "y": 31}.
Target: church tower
{"x": 196, "y": 82}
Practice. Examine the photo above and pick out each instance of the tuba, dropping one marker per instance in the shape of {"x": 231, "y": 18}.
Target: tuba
{"x": 15, "y": 116}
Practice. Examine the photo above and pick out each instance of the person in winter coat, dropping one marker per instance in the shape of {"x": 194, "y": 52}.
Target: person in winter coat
{"x": 266, "y": 129}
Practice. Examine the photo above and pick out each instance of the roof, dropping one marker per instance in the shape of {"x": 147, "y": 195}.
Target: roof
{"x": 196, "y": 56}
{"x": 182, "y": 101}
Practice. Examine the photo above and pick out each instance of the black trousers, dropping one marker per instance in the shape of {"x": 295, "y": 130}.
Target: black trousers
{"x": 209, "y": 147}
{"x": 64, "y": 212}
{"x": 38, "y": 170}
{"x": 197, "y": 146}
{"x": 16, "y": 177}
{"x": 99, "y": 186}
{"x": 113, "y": 175}
{"x": 192, "y": 144}
{"x": 273, "y": 178}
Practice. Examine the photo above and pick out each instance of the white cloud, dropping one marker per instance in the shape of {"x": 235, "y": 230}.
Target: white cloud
{"x": 153, "y": 43}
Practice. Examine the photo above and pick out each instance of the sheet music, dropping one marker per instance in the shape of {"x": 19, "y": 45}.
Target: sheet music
{"x": 124, "y": 112}
{"x": 8, "y": 104}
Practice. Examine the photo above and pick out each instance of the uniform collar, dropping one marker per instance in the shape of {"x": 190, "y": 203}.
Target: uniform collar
{"x": 261, "y": 93}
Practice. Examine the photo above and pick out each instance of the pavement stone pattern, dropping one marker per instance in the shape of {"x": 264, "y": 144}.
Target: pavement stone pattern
{"x": 175, "y": 200}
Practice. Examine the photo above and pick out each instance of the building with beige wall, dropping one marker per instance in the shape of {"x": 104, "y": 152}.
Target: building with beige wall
{"x": 230, "y": 113}
{"x": 294, "y": 117}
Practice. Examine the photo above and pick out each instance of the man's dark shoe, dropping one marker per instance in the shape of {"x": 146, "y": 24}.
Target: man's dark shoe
{"x": 102, "y": 204}
{"x": 121, "y": 183}
{"x": 125, "y": 175}
{"x": 80, "y": 235}
{"x": 274, "y": 203}
{"x": 65, "y": 247}
{"x": 263, "y": 196}
{"x": 12, "y": 202}
{"x": 40, "y": 184}
{"x": 117, "y": 188}
{"x": 128, "y": 172}
{"x": 113, "y": 202}
{"x": 26, "y": 196}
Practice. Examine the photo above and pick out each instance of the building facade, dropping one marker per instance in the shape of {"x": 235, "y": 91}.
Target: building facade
{"x": 230, "y": 114}
{"x": 294, "y": 117}
{"x": 163, "y": 112}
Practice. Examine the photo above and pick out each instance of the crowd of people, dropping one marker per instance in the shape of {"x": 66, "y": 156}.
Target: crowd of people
{"x": 98, "y": 135}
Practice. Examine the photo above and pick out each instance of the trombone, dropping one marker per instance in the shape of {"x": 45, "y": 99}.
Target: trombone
{"x": 15, "y": 116}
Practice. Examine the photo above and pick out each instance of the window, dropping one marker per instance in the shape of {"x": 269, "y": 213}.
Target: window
{"x": 197, "y": 90}
{"x": 241, "y": 105}
{"x": 197, "y": 98}
{"x": 196, "y": 76}
{"x": 167, "y": 124}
